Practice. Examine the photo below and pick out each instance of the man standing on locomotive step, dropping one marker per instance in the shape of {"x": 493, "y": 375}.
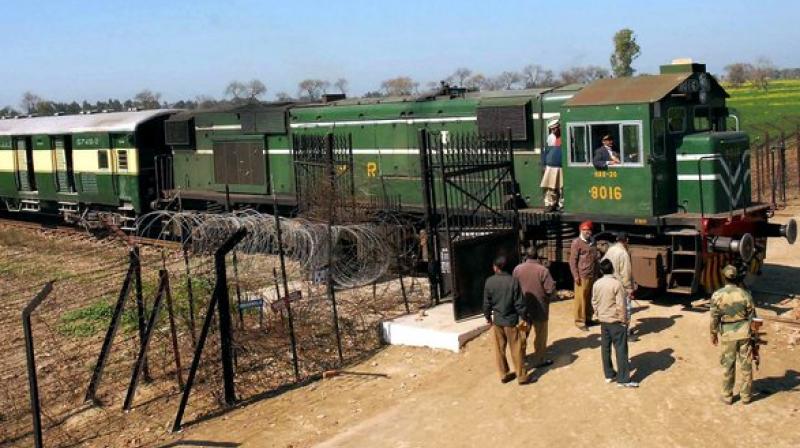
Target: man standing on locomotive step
{"x": 732, "y": 310}
{"x": 552, "y": 179}
{"x": 538, "y": 288}
{"x": 583, "y": 265}
{"x": 605, "y": 156}
{"x": 504, "y": 309}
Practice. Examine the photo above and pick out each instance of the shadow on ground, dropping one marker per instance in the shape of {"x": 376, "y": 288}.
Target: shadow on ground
{"x": 766, "y": 387}
{"x": 648, "y": 363}
{"x": 564, "y": 352}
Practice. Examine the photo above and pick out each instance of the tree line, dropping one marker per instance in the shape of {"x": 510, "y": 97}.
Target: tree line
{"x": 758, "y": 74}
{"x": 626, "y": 50}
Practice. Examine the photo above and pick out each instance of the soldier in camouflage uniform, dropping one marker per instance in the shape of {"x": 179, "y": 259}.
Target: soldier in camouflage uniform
{"x": 732, "y": 309}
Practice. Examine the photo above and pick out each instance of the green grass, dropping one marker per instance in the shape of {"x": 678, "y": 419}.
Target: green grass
{"x": 94, "y": 318}
{"x": 760, "y": 110}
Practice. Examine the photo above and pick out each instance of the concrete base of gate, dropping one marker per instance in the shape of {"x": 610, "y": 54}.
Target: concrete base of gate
{"x": 436, "y": 329}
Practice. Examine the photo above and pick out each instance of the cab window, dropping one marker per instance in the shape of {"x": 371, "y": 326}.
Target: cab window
{"x": 676, "y": 120}
{"x": 586, "y": 138}
{"x": 578, "y": 145}
{"x": 702, "y": 120}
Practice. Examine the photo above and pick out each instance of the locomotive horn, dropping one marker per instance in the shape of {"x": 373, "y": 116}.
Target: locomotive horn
{"x": 744, "y": 246}
{"x": 788, "y": 230}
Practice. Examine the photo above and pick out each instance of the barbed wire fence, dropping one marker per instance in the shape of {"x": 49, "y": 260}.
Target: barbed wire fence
{"x": 367, "y": 263}
{"x": 775, "y": 161}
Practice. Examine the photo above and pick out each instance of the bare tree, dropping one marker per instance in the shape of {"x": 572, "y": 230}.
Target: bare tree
{"x": 312, "y": 89}
{"x": 460, "y": 76}
{"x": 255, "y": 89}
{"x": 509, "y": 80}
{"x": 475, "y": 81}
{"x": 342, "y": 85}
{"x": 147, "y": 99}
{"x": 583, "y": 75}
{"x": 762, "y": 71}
{"x": 30, "y": 101}
{"x": 738, "y": 73}
{"x": 236, "y": 90}
{"x": 400, "y": 86}
{"x": 283, "y": 96}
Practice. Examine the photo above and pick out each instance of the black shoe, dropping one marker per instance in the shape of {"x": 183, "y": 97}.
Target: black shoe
{"x": 508, "y": 378}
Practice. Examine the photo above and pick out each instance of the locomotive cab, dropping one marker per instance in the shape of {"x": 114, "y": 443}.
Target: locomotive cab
{"x": 650, "y": 118}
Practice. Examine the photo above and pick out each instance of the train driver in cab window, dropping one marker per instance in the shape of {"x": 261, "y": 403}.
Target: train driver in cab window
{"x": 605, "y": 156}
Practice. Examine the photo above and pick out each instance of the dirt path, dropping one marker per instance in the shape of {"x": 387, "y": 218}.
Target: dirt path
{"x": 408, "y": 397}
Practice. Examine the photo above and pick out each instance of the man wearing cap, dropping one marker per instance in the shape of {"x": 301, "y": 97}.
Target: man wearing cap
{"x": 605, "y": 156}
{"x": 538, "y": 288}
{"x": 583, "y": 265}
{"x": 504, "y": 309}
{"x": 732, "y": 310}
{"x": 552, "y": 180}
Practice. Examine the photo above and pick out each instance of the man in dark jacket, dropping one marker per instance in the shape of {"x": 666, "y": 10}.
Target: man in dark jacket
{"x": 605, "y": 156}
{"x": 504, "y": 309}
{"x": 538, "y": 288}
{"x": 583, "y": 265}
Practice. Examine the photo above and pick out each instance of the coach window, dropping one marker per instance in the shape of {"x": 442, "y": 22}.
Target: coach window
{"x": 676, "y": 120}
{"x": 102, "y": 159}
{"x": 578, "y": 146}
{"x": 122, "y": 159}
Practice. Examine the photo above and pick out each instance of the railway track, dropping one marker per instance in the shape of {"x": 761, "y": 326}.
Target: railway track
{"x": 107, "y": 234}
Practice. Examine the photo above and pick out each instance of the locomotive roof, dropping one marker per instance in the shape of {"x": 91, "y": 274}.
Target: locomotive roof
{"x": 629, "y": 90}
{"x": 73, "y": 124}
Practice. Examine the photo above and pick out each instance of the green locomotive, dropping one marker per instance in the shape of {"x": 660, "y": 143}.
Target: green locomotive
{"x": 682, "y": 189}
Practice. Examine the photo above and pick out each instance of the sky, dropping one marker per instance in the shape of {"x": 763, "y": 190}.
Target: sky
{"x": 66, "y": 50}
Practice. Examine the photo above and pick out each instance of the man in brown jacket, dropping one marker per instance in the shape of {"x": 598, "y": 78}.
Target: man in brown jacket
{"x": 583, "y": 264}
{"x": 505, "y": 311}
{"x": 538, "y": 288}
{"x": 609, "y": 300}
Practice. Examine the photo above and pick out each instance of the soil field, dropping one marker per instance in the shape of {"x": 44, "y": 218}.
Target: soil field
{"x": 410, "y": 397}
{"x": 386, "y": 396}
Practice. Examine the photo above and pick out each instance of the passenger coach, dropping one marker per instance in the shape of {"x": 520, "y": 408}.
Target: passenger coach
{"x": 81, "y": 166}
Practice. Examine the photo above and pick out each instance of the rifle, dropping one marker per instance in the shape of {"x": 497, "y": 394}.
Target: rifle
{"x": 755, "y": 339}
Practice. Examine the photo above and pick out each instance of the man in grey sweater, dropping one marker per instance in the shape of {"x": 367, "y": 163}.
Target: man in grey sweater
{"x": 609, "y": 302}
{"x": 505, "y": 310}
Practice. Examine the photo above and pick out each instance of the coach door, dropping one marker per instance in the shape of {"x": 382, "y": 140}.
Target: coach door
{"x": 62, "y": 156}
{"x": 23, "y": 164}
{"x": 662, "y": 165}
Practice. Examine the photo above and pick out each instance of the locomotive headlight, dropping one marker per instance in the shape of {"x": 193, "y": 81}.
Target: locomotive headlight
{"x": 744, "y": 246}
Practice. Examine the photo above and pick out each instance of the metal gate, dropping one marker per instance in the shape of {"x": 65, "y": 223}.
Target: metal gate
{"x": 323, "y": 171}
{"x": 470, "y": 194}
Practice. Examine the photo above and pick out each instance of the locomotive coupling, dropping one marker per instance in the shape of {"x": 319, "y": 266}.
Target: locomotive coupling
{"x": 744, "y": 246}
{"x": 788, "y": 230}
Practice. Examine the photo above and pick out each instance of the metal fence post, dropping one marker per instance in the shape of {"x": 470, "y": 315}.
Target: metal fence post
{"x": 112, "y": 330}
{"x": 220, "y": 295}
{"x": 140, "y": 305}
{"x": 33, "y": 382}
{"x": 148, "y": 334}
{"x": 331, "y": 220}
{"x": 282, "y": 258}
